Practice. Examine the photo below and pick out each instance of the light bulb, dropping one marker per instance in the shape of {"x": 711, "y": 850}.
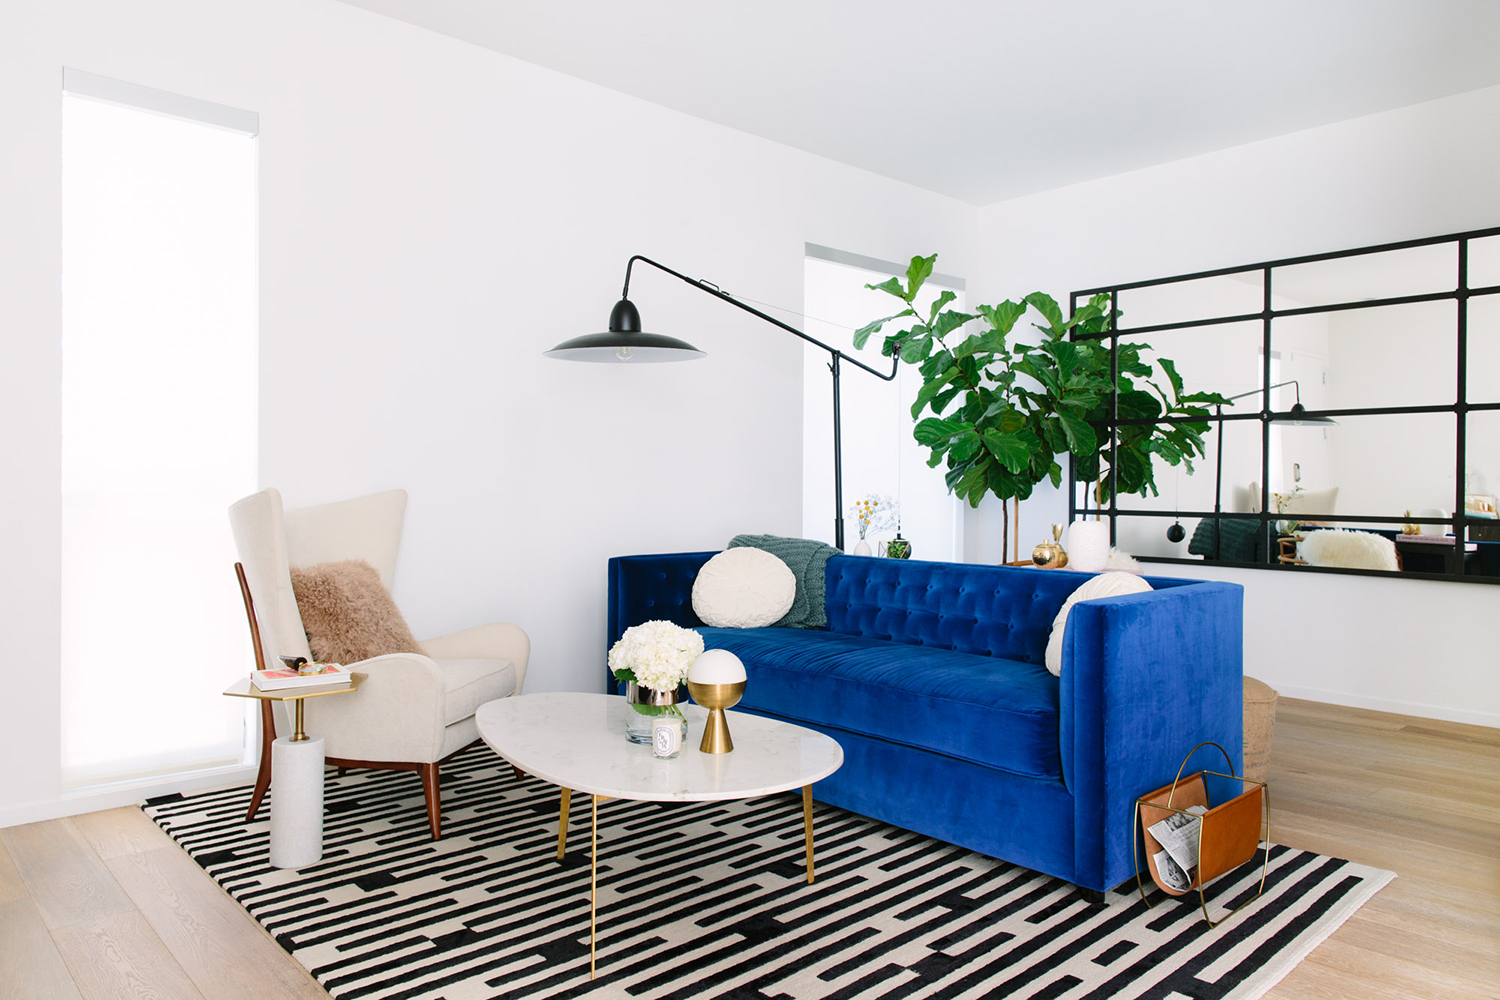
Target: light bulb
{"x": 624, "y": 353}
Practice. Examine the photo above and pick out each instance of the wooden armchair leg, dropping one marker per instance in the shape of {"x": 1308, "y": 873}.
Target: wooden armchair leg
{"x": 263, "y": 776}
{"x": 520, "y": 774}
{"x": 434, "y": 802}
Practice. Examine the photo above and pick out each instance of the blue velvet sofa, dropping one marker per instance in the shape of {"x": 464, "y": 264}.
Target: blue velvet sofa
{"x": 931, "y": 676}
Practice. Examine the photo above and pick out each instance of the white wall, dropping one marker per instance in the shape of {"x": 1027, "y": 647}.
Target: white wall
{"x": 1422, "y": 647}
{"x": 433, "y": 217}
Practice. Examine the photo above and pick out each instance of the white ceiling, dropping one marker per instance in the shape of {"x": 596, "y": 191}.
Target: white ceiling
{"x": 989, "y": 100}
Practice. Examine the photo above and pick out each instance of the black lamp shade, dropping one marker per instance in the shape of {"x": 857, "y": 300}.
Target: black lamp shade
{"x": 625, "y": 343}
{"x": 1297, "y": 416}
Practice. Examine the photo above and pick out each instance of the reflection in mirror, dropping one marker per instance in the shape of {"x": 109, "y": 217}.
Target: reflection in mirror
{"x": 1365, "y": 476}
{"x": 1482, "y": 490}
{"x": 1483, "y": 384}
{"x": 1223, "y": 358}
{"x": 1382, "y": 464}
{"x": 1484, "y": 262}
{"x": 1179, "y": 491}
{"x": 1384, "y": 275}
{"x": 1182, "y": 301}
{"x": 1402, "y": 355}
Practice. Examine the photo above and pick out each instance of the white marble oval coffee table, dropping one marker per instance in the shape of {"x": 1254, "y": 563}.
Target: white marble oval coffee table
{"x": 577, "y": 741}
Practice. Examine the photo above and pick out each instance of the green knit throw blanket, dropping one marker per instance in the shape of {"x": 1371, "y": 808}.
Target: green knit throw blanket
{"x": 808, "y": 561}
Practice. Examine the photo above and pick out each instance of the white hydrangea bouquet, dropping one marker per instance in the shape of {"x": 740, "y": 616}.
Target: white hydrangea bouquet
{"x": 655, "y": 655}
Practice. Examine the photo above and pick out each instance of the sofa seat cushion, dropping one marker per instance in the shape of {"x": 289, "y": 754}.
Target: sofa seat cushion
{"x": 467, "y": 684}
{"x": 995, "y": 712}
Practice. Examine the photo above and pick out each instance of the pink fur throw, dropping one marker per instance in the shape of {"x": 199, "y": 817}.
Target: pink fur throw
{"x": 348, "y": 614}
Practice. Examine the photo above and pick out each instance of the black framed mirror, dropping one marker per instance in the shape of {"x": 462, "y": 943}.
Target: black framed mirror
{"x": 1363, "y": 429}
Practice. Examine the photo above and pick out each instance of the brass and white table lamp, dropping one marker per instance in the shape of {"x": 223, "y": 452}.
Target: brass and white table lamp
{"x": 716, "y": 680}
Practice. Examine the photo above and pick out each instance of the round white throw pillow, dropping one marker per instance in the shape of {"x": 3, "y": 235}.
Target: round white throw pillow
{"x": 1104, "y": 585}
{"x": 743, "y": 588}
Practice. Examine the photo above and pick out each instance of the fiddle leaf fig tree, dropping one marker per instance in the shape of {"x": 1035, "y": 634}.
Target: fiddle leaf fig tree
{"x": 1003, "y": 409}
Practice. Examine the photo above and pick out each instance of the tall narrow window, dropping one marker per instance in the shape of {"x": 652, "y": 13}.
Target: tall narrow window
{"x": 159, "y": 422}
{"x": 879, "y": 454}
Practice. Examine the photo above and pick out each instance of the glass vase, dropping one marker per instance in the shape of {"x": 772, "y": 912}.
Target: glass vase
{"x": 647, "y": 706}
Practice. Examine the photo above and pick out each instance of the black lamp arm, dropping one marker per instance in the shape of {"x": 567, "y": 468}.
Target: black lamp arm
{"x": 711, "y": 289}
{"x": 1278, "y": 385}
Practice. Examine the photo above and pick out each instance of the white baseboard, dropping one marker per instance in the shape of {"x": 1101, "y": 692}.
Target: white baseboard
{"x": 1418, "y": 709}
{"x": 125, "y": 793}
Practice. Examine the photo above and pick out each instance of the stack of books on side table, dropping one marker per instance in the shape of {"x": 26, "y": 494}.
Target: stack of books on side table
{"x": 309, "y": 675}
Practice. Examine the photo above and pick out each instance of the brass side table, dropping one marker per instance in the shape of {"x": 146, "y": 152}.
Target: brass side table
{"x": 297, "y": 762}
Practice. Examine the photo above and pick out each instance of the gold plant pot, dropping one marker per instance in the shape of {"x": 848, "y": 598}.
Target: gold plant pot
{"x": 716, "y": 698}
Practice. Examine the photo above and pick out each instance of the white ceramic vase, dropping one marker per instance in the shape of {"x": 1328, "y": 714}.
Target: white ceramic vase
{"x": 861, "y": 548}
{"x": 1088, "y": 546}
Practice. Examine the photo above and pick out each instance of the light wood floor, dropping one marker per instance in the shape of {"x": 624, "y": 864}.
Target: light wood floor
{"x": 104, "y": 905}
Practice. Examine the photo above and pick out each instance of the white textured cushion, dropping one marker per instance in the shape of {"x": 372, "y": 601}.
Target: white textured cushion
{"x": 743, "y": 588}
{"x": 1349, "y": 550}
{"x": 1103, "y": 585}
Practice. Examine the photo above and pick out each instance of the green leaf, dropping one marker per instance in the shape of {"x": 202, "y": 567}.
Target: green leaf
{"x": 1065, "y": 354}
{"x": 931, "y": 388}
{"x": 1010, "y": 449}
{"x": 1081, "y": 437}
{"x": 935, "y": 430}
{"x": 1172, "y": 376}
{"x": 1054, "y": 472}
{"x": 944, "y": 297}
{"x": 1054, "y": 435}
{"x": 1042, "y": 373}
{"x": 916, "y": 349}
{"x": 1138, "y": 405}
{"x": 950, "y": 321}
{"x": 891, "y": 286}
{"x": 936, "y": 363}
{"x": 941, "y": 401}
{"x": 1212, "y": 398}
{"x": 1050, "y": 310}
{"x": 985, "y": 342}
{"x": 863, "y": 333}
{"x": 917, "y": 272}
{"x": 965, "y": 448}
{"x": 1084, "y": 316}
{"x": 1003, "y": 317}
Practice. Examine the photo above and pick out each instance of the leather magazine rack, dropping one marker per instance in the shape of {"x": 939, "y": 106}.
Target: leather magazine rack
{"x": 1228, "y": 835}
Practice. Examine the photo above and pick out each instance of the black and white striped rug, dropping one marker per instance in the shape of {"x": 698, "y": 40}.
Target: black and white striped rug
{"x": 709, "y": 900}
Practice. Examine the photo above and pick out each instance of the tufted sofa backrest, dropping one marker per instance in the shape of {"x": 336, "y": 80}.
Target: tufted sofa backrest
{"x": 1003, "y": 611}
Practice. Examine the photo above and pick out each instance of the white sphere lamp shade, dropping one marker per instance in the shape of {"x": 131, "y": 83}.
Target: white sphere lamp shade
{"x": 716, "y": 666}
{"x": 1088, "y": 546}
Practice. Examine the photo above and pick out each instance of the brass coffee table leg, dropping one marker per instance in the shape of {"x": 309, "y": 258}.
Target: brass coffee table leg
{"x": 593, "y": 880}
{"x": 807, "y": 833}
{"x": 562, "y": 822}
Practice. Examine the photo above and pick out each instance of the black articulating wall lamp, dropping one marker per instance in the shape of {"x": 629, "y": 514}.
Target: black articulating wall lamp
{"x": 1296, "y": 416}
{"x": 626, "y": 343}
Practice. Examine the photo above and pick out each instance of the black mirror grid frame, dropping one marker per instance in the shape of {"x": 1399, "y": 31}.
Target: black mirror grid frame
{"x": 1460, "y": 408}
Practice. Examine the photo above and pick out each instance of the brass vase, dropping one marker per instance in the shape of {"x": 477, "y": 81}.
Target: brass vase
{"x": 1051, "y": 555}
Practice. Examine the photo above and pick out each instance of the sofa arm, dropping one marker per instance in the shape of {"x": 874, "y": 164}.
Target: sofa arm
{"x": 1145, "y": 678}
{"x": 648, "y": 588}
{"x": 495, "y": 641}
{"x": 396, "y": 715}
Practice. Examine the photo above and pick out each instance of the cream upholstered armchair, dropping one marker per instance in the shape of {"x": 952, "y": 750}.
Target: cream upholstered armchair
{"x": 413, "y": 711}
